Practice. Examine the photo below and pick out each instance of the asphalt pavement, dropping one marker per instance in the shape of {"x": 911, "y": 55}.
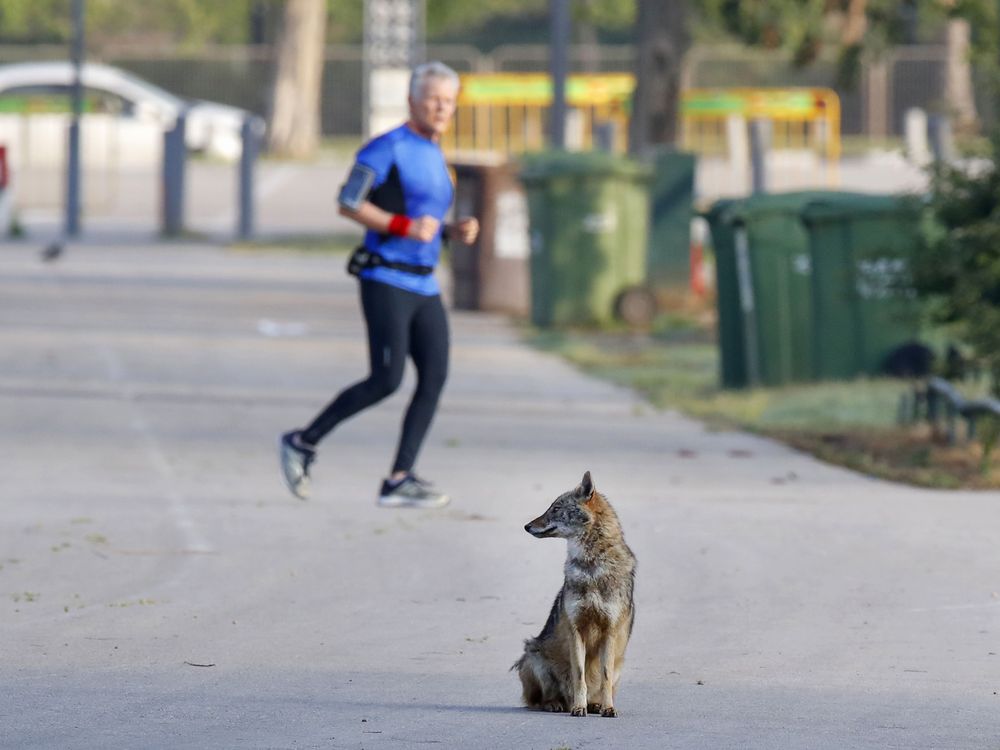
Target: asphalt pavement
{"x": 159, "y": 588}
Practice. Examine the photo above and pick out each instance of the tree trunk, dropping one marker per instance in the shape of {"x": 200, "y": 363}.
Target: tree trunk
{"x": 586, "y": 37}
{"x": 662, "y": 39}
{"x": 856, "y": 23}
{"x": 958, "y": 95}
{"x": 294, "y": 128}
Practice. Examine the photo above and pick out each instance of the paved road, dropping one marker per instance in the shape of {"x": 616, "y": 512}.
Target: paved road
{"x": 159, "y": 589}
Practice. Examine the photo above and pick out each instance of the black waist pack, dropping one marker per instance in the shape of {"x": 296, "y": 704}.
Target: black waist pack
{"x": 363, "y": 258}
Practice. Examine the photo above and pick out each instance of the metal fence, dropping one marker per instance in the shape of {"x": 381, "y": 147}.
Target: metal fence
{"x": 904, "y": 77}
{"x": 874, "y": 106}
{"x": 939, "y": 401}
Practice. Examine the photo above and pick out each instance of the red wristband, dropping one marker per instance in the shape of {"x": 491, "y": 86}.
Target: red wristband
{"x": 399, "y": 225}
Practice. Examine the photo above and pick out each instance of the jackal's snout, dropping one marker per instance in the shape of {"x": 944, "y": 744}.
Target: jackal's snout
{"x": 540, "y": 527}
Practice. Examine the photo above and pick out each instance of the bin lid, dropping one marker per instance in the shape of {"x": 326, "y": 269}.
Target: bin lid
{"x": 860, "y": 205}
{"x": 808, "y": 205}
{"x": 738, "y": 210}
{"x": 543, "y": 165}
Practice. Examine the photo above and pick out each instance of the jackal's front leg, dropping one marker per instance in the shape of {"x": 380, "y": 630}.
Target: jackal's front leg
{"x": 608, "y": 676}
{"x": 578, "y": 679}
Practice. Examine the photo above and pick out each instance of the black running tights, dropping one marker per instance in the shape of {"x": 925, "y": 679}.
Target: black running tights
{"x": 400, "y": 324}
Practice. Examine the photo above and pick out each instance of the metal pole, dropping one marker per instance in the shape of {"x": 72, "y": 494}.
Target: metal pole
{"x": 366, "y": 69}
{"x": 748, "y": 307}
{"x": 760, "y": 144}
{"x": 394, "y": 42}
{"x": 251, "y": 135}
{"x": 174, "y": 158}
{"x": 72, "y": 227}
{"x": 558, "y": 68}
{"x": 418, "y": 41}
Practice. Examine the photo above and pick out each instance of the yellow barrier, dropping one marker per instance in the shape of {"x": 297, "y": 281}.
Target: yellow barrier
{"x": 508, "y": 113}
{"x": 802, "y": 119}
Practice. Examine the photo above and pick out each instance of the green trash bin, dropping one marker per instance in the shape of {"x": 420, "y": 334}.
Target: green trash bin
{"x": 764, "y": 287}
{"x": 859, "y": 246}
{"x": 806, "y": 285}
{"x": 671, "y": 201}
{"x": 732, "y": 321}
{"x": 588, "y": 215}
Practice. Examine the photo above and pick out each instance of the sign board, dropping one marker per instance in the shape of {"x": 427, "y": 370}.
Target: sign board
{"x": 536, "y": 89}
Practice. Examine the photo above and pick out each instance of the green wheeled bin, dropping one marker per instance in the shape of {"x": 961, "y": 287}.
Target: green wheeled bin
{"x": 588, "y": 215}
{"x": 859, "y": 245}
{"x": 808, "y": 285}
{"x": 764, "y": 283}
{"x": 732, "y": 320}
{"x": 671, "y": 210}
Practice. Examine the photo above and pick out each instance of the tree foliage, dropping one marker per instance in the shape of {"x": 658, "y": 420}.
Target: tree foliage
{"x": 189, "y": 22}
{"x": 195, "y": 22}
{"x": 957, "y": 266}
{"x": 35, "y": 21}
{"x": 847, "y": 30}
{"x": 450, "y": 15}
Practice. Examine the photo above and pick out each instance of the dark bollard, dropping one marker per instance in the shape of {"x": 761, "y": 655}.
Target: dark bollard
{"x": 73, "y": 180}
{"x": 251, "y": 133}
{"x": 174, "y": 161}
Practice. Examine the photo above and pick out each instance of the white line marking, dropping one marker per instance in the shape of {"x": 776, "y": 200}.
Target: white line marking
{"x": 276, "y": 329}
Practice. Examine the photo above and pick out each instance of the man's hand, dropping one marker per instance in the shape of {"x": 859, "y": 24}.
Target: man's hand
{"x": 424, "y": 229}
{"x": 465, "y": 230}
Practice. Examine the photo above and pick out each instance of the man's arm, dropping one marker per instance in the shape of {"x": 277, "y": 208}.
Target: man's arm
{"x": 423, "y": 228}
{"x": 354, "y": 204}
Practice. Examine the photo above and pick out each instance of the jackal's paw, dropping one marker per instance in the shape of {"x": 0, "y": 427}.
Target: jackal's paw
{"x": 609, "y": 712}
{"x": 595, "y": 708}
{"x": 578, "y": 711}
{"x": 554, "y": 707}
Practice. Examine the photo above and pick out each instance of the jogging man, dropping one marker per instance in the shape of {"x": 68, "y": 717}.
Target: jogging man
{"x": 400, "y": 190}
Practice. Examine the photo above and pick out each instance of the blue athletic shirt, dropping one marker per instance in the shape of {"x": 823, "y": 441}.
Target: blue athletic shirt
{"x": 411, "y": 178}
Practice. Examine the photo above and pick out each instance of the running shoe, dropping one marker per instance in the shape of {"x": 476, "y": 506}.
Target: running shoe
{"x": 411, "y": 492}
{"x": 296, "y": 457}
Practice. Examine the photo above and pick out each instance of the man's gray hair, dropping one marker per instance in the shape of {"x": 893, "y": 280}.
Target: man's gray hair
{"x": 423, "y": 73}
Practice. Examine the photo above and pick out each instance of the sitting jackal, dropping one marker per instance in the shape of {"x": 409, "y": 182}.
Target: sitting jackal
{"x": 575, "y": 662}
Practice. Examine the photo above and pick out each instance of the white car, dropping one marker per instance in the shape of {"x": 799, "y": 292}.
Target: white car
{"x": 210, "y": 128}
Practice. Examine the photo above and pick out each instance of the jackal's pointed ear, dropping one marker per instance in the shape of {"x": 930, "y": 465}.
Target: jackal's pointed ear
{"x": 586, "y": 489}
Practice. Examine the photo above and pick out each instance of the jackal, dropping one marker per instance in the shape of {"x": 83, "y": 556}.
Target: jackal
{"x": 575, "y": 662}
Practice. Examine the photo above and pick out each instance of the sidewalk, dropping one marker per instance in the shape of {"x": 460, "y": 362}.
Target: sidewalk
{"x": 292, "y": 199}
{"x": 298, "y": 199}
{"x": 781, "y": 603}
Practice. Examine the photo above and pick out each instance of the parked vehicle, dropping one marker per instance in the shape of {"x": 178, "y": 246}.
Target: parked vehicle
{"x": 44, "y": 88}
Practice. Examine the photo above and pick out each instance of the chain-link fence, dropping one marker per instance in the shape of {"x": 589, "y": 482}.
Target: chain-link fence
{"x": 874, "y": 105}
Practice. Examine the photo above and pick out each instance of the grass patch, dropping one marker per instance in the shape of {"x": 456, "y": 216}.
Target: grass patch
{"x": 852, "y": 424}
